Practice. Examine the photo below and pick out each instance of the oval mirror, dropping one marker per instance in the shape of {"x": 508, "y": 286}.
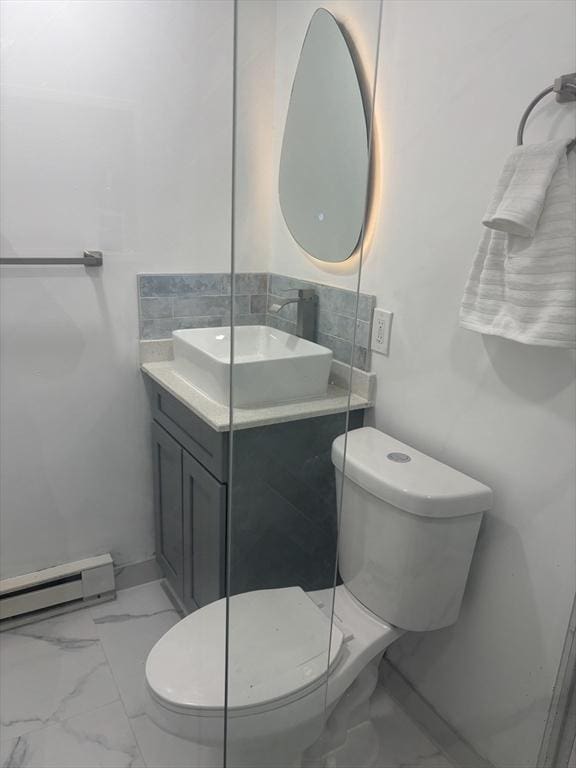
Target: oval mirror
{"x": 324, "y": 159}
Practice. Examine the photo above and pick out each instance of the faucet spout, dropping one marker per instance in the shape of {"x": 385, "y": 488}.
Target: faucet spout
{"x": 306, "y": 320}
{"x": 275, "y": 308}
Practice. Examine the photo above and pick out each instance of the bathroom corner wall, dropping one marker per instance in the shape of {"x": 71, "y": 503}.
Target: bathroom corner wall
{"x": 175, "y": 301}
{"x": 116, "y": 136}
{"x": 336, "y": 318}
{"x": 454, "y": 80}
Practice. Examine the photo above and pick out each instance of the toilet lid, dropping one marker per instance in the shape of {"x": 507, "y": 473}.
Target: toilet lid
{"x": 278, "y": 646}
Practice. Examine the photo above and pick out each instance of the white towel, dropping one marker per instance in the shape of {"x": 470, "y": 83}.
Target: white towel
{"x": 523, "y": 281}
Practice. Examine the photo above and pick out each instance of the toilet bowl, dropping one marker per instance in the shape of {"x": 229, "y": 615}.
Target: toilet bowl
{"x": 282, "y": 680}
{"x": 408, "y": 526}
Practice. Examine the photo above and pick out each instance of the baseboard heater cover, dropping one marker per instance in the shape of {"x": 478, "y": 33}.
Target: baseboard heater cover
{"x": 57, "y": 589}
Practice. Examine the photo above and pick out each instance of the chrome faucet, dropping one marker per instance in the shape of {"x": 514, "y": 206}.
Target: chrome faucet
{"x": 306, "y": 319}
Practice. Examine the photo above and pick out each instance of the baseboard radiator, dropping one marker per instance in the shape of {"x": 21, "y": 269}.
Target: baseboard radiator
{"x": 56, "y": 590}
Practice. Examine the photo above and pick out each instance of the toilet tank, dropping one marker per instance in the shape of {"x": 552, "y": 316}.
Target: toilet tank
{"x": 408, "y": 527}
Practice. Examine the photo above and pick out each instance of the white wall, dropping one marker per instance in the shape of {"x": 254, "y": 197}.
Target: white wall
{"x": 256, "y": 180}
{"x": 116, "y": 136}
{"x": 453, "y": 81}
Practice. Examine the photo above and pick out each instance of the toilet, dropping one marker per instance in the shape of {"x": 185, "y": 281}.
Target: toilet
{"x": 408, "y": 527}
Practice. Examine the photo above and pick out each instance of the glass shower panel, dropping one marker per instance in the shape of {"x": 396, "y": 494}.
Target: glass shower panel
{"x": 295, "y": 318}
{"x": 501, "y": 674}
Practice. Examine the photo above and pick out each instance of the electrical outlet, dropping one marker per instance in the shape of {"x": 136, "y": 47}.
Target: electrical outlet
{"x": 381, "y": 327}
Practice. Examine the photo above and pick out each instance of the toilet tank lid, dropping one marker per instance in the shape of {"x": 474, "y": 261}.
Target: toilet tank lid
{"x": 406, "y": 478}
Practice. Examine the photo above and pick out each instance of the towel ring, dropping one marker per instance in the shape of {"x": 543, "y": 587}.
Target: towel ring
{"x": 565, "y": 89}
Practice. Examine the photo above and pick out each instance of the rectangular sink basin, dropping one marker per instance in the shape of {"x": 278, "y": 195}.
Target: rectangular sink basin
{"x": 270, "y": 366}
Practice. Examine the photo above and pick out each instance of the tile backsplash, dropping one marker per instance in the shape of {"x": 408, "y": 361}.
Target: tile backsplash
{"x": 168, "y": 302}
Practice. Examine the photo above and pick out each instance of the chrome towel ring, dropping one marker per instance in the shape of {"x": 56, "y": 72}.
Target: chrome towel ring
{"x": 565, "y": 89}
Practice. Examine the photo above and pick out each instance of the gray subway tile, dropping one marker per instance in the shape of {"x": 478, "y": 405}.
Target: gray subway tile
{"x": 153, "y": 308}
{"x": 258, "y": 303}
{"x": 331, "y": 299}
{"x": 203, "y": 306}
{"x": 342, "y": 350}
{"x": 345, "y": 352}
{"x": 156, "y": 285}
{"x": 241, "y": 305}
{"x": 342, "y": 327}
{"x": 366, "y": 304}
{"x": 226, "y": 279}
{"x": 206, "y": 306}
{"x": 337, "y": 301}
{"x": 362, "y": 333}
{"x": 344, "y": 303}
{"x": 281, "y": 324}
{"x": 208, "y": 284}
{"x": 251, "y": 319}
{"x": 180, "y": 323}
{"x": 340, "y": 302}
{"x": 251, "y": 282}
{"x": 203, "y": 299}
{"x": 336, "y": 325}
{"x": 361, "y": 358}
{"x": 202, "y": 284}
{"x": 159, "y": 328}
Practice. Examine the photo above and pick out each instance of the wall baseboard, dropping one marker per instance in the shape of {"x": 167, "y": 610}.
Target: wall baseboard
{"x": 133, "y": 574}
{"x": 58, "y": 589}
{"x": 174, "y": 599}
{"x": 438, "y": 730}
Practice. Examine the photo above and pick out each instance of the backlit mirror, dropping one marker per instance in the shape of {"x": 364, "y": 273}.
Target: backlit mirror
{"x": 324, "y": 160}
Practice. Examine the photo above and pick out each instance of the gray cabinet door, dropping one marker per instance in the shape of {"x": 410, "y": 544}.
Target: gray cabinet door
{"x": 204, "y": 503}
{"x": 168, "y": 506}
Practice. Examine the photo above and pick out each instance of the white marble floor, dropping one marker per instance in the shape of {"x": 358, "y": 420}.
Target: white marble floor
{"x": 71, "y": 696}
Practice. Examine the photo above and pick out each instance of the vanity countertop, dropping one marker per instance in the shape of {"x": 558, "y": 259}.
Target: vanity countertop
{"x": 156, "y": 363}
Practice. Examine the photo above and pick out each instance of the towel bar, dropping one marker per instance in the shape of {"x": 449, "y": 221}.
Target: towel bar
{"x": 89, "y": 259}
{"x": 565, "y": 89}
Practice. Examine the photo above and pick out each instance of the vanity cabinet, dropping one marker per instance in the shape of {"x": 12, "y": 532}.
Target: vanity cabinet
{"x": 190, "y": 517}
{"x": 284, "y": 511}
{"x": 169, "y": 523}
{"x": 204, "y": 519}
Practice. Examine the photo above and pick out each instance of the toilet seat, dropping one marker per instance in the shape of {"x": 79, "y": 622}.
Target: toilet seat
{"x": 278, "y": 652}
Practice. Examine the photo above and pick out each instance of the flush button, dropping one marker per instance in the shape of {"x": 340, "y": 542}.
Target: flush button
{"x": 400, "y": 458}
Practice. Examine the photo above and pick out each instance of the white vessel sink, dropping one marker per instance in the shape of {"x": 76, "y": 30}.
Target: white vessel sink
{"x": 270, "y": 366}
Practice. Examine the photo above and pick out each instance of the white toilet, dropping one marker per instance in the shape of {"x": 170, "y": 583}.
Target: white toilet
{"x": 408, "y": 527}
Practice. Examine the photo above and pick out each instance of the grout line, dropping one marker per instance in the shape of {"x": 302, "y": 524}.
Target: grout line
{"x": 133, "y": 732}
{"x": 110, "y": 668}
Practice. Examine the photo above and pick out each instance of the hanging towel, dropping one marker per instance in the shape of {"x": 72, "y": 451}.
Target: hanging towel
{"x": 522, "y": 285}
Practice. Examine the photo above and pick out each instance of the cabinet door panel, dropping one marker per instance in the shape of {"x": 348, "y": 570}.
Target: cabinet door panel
{"x": 204, "y": 502}
{"x": 202, "y": 442}
{"x": 168, "y": 506}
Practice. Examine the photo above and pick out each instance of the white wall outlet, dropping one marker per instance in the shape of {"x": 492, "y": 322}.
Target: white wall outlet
{"x": 381, "y": 327}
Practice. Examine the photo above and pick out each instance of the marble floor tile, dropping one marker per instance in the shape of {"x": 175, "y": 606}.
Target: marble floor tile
{"x": 401, "y": 742}
{"x": 128, "y": 629}
{"x": 99, "y": 739}
{"x": 163, "y": 750}
{"x": 50, "y": 671}
{"x": 71, "y": 696}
